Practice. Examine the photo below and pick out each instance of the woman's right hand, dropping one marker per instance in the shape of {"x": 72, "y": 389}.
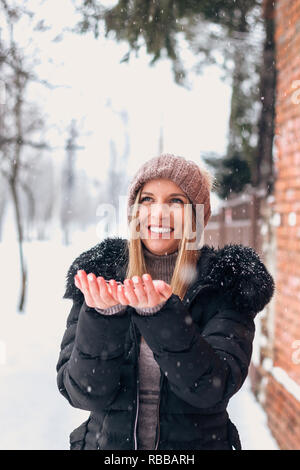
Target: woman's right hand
{"x": 95, "y": 290}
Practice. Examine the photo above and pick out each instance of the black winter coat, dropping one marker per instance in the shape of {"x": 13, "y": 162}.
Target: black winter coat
{"x": 203, "y": 345}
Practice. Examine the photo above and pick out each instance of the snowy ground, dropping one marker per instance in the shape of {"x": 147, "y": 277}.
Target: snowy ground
{"x": 33, "y": 413}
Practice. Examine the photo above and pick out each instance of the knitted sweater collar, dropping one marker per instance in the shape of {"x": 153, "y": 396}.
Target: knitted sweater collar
{"x": 160, "y": 266}
{"x": 150, "y": 255}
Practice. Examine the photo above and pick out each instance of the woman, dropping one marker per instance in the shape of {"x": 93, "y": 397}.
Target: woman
{"x": 156, "y": 361}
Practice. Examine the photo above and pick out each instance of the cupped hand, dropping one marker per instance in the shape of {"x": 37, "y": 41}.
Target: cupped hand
{"x": 95, "y": 290}
{"x": 137, "y": 292}
{"x": 144, "y": 292}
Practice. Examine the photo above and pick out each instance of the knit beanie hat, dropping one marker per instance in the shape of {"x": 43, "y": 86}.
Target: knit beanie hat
{"x": 196, "y": 182}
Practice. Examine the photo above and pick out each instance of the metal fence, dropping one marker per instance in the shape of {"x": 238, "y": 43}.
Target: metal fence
{"x": 238, "y": 220}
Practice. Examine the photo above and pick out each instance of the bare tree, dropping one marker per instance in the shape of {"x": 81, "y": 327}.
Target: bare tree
{"x": 16, "y": 129}
{"x": 117, "y": 183}
{"x": 68, "y": 181}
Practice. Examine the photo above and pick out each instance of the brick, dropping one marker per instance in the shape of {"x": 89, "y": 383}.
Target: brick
{"x": 284, "y": 420}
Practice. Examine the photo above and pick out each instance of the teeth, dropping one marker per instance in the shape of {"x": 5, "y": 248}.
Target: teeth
{"x": 160, "y": 230}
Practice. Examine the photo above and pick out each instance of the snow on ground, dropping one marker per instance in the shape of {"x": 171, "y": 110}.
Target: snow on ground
{"x": 251, "y": 420}
{"x": 34, "y": 415}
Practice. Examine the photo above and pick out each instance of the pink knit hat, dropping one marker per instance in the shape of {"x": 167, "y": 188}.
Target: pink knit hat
{"x": 196, "y": 182}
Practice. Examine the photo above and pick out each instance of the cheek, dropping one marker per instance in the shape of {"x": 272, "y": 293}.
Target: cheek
{"x": 179, "y": 217}
{"x": 143, "y": 215}
{"x": 179, "y": 222}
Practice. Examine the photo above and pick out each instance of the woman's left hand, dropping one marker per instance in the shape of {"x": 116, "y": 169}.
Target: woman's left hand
{"x": 143, "y": 292}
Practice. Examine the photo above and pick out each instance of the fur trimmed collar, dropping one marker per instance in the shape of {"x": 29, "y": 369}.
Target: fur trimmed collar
{"x": 235, "y": 269}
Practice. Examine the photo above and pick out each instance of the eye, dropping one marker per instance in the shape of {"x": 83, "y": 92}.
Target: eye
{"x": 146, "y": 197}
{"x": 174, "y": 199}
{"x": 177, "y": 199}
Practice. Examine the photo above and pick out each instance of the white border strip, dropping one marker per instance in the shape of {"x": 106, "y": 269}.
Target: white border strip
{"x": 289, "y": 384}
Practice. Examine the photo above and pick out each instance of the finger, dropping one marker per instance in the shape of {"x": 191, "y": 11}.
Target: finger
{"x": 83, "y": 279}
{"x": 104, "y": 293}
{"x": 77, "y": 282}
{"x": 113, "y": 289}
{"x": 153, "y": 296}
{"x": 140, "y": 291}
{"x": 121, "y": 295}
{"x": 166, "y": 292}
{"x": 129, "y": 292}
{"x": 94, "y": 288}
{"x": 85, "y": 288}
{"x": 164, "y": 289}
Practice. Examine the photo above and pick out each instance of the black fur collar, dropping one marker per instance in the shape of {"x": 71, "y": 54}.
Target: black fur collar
{"x": 236, "y": 269}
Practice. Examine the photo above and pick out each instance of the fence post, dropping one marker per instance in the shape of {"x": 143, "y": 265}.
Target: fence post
{"x": 254, "y": 213}
{"x": 222, "y": 227}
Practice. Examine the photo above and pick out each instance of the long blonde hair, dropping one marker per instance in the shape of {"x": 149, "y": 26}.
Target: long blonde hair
{"x": 185, "y": 267}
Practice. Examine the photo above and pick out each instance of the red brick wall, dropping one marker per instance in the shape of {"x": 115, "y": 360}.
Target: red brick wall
{"x": 283, "y": 415}
{"x": 283, "y": 409}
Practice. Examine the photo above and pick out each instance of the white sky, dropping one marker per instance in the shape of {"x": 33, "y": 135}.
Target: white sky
{"x": 90, "y": 75}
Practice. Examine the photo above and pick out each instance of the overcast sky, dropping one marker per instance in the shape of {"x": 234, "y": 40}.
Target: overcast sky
{"x": 89, "y": 75}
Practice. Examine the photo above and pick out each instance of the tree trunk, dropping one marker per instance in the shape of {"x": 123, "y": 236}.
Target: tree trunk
{"x": 14, "y": 193}
{"x": 264, "y": 177}
{"x": 237, "y": 143}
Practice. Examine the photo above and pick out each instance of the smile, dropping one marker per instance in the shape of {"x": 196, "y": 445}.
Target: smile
{"x": 160, "y": 229}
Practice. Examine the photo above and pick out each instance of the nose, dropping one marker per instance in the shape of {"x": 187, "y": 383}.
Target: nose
{"x": 159, "y": 213}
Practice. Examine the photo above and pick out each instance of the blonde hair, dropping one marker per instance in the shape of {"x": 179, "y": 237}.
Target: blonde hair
{"x": 186, "y": 260}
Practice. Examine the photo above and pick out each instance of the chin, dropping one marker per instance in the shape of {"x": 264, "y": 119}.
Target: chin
{"x": 160, "y": 245}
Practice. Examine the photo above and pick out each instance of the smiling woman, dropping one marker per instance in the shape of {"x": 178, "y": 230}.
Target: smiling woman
{"x": 157, "y": 358}
{"x": 161, "y": 215}
{"x": 165, "y": 192}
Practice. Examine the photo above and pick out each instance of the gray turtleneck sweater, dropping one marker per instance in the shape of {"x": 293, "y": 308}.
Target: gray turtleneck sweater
{"x": 159, "y": 267}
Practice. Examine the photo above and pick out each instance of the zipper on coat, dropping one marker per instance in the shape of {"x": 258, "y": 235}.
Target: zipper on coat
{"x": 137, "y": 397}
{"x": 136, "y": 416}
{"x": 158, "y": 421}
{"x": 186, "y": 301}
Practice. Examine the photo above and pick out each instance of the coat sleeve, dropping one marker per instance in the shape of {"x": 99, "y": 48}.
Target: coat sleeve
{"x": 91, "y": 355}
{"x": 202, "y": 368}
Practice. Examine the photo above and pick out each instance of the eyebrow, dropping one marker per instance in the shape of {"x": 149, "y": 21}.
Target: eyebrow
{"x": 172, "y": 194}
